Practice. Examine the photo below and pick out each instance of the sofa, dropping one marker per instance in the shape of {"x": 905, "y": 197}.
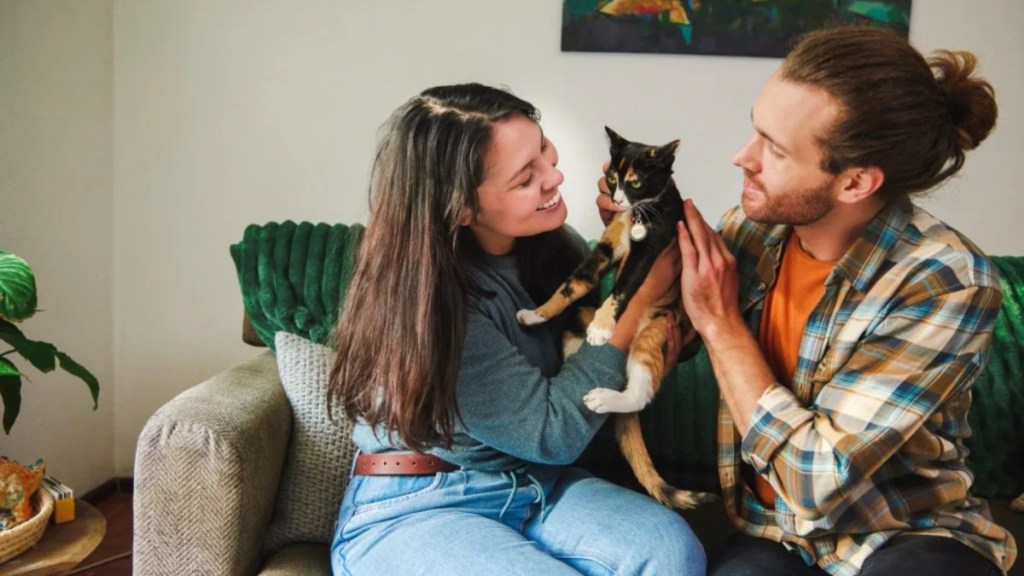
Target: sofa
{"x": 243, "y": 473}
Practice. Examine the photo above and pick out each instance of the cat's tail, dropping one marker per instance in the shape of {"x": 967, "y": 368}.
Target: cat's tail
{"x": 631, "y": 442}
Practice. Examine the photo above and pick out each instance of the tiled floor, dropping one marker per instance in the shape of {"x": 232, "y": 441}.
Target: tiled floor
{"x": 113, "y": 556}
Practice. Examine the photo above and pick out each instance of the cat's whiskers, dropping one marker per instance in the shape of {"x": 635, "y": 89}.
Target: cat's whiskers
{"x": 643, "y": 209}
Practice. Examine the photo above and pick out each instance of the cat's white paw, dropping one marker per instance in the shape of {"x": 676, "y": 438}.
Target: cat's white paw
{"x": 639, "y": 388}
{"x": 603, "y": 400}
{"x": 598, "y": 336}
{"x": 530, "y": 318}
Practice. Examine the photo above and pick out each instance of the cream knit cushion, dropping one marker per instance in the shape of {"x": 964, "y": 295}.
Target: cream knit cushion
{"x": 320, "y": 451}
{"x": 1018, "y": 504}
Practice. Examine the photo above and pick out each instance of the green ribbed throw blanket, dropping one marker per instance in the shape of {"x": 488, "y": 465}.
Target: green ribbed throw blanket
{"x": 997, "y": 414}
{"x": 293, "y": 278}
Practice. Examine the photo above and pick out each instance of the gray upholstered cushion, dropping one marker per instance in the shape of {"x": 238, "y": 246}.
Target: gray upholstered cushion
{"x": 206, "y": 474}
{"x": 299, "y": 560}
{"x": 320, "y": 450}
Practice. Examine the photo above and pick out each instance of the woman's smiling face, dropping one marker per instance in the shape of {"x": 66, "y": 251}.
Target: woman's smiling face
{"x": 519, "y": 196}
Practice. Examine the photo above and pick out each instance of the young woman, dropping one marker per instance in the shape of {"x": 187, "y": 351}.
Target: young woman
{"x": 467, "y": 422}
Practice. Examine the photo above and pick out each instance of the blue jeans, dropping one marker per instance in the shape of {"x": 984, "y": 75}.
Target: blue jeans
{"x": 548, "y": 520}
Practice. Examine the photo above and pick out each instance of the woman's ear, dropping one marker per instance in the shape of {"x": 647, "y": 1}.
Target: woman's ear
{"x": 860, "y": 183}
{"x": 466, "y": 218}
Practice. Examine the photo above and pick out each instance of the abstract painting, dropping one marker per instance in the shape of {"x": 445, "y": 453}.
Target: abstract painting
{"x": 764, "y": 28}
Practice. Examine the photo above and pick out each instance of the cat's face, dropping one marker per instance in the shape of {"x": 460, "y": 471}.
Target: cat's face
{"x": 637, "y": 171}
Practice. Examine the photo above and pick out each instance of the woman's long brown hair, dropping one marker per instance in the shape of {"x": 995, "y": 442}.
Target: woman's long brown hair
{"x": 400, "y": 333}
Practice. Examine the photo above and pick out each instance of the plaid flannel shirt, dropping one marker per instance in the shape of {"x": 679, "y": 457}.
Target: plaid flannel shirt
{"x": 868, "y": 444}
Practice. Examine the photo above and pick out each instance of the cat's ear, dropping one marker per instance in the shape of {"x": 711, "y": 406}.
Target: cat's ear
{"x": 613, "y": 137}
{"x": 665, "y": 153}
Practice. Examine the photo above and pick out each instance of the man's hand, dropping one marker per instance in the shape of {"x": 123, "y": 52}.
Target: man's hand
{"x": 710, "y": 293}
{"x": 710, "y": 285}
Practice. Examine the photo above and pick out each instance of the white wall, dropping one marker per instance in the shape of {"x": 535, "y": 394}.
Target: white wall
{"x": 984, "y": 201}
{"x": 56, "y": 211}
{"x": 232, "y": 112}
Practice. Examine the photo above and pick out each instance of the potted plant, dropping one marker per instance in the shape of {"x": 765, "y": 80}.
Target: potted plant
{"x": 18, "y": 302}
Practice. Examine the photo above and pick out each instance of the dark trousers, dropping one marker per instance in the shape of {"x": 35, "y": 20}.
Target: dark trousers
{"x": 911, "y": 555}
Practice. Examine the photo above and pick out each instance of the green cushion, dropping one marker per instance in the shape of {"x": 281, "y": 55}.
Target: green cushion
{"x": 997, "y": 414}
{"x": 294, "y": 276}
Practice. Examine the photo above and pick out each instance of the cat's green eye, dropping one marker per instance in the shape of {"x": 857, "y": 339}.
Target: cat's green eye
{"x": 610, "y": 179}
{"x": 635, "y": 184}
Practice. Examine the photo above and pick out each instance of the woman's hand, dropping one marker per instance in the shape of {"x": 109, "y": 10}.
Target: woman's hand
{"x": 662, "y": 277}
{"x": 675, "y": 341}
{"x": 605, "y": 205}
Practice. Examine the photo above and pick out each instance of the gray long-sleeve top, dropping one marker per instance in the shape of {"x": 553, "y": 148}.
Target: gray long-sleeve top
{"x": 519, "y": 404}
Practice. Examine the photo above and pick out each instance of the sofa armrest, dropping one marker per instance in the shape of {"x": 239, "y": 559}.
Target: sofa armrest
{"x": 206, "y": 474}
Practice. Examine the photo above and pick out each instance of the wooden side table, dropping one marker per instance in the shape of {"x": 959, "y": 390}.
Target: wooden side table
{"x": 62, "y": 546}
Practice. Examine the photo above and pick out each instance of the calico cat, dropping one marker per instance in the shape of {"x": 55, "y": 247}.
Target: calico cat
{"x": 640, "y": 180}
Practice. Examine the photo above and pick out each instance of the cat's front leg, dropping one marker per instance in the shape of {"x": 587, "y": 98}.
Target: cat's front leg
{"x": 530, "y": 317}
{"x": 600, "y": 329}
{"x": 644, "y": 369}
{"x": 638, "y": 393}
{"x": 575, "y": 330}
{"x": 570, "y": 291}
{"x": 630, "y": 277}
{"x": 583, "y": 279}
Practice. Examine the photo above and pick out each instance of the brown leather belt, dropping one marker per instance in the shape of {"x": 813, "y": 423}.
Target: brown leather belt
{"x": 401, "y": 464}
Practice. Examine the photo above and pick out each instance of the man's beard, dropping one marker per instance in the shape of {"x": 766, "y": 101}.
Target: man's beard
{"x": 793, "y": 208}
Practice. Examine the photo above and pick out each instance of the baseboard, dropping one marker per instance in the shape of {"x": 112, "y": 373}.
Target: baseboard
{"x": 117, "y": 485}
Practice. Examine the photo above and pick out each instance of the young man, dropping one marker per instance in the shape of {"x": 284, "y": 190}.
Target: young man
{"x": 846, "y": 326}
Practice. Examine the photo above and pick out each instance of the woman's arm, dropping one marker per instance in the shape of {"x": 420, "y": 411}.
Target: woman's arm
{"x": 508, "y": 403}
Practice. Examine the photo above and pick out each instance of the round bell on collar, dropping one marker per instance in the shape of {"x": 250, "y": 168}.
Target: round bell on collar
{"x": 638, "y": 231}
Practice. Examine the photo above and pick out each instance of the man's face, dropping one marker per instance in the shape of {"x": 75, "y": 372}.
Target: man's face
{"x": 783, "y": 179}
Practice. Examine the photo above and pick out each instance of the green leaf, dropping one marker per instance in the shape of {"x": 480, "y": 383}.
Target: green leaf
{"x": 8, "y": 369}
{"x": 10, "y": 393}
{"x": 40, "y": 354}
{"x": 76, "y": 369}
{"x": 17, "y": 288}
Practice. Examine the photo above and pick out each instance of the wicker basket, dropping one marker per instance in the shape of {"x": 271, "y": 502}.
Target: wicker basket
{"x": 23, "y": 536}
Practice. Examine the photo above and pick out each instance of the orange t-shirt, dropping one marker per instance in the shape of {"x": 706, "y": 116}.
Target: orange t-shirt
{"x": 798, "y": 288}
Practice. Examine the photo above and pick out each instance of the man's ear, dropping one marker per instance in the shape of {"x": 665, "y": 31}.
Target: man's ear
{"x": 859, "y": 183}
